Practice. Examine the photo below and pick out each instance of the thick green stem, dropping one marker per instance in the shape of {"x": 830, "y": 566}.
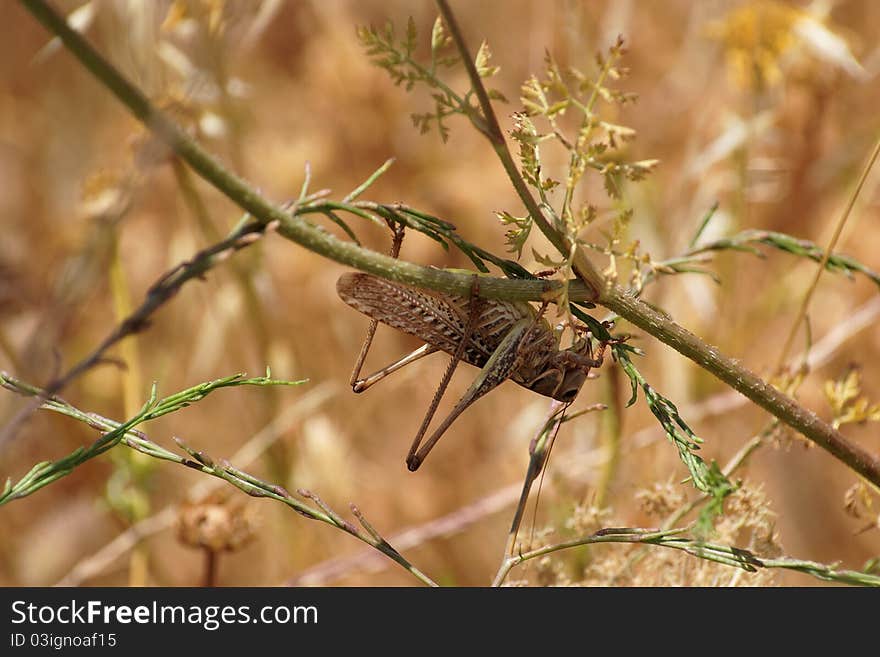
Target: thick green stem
{"x": 738, "y": 377}
{"x": 315, "y": 239}
{"x": 246, "y": 197}
{"x": 648, "y": 319}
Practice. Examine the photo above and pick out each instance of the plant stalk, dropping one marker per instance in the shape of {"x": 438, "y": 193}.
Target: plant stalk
{"x": 315, "y": 239}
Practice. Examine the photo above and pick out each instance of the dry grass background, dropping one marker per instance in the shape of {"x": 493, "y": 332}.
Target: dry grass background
{"x": 309, "y": 94}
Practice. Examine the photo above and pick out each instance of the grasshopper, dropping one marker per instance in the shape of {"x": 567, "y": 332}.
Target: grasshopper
{"x": 507, "y": 340}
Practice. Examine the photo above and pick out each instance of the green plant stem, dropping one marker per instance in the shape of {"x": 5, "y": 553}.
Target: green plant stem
{"x": 581, "y": 265}
{"x": 613, "y": 297}
{"x": 159, "y": 293}
{"x": 114, "y": 432}
{"x": 743, "y": 380}
{"x": 246, "y": 197}
{"x": 671, "y": 538}
{"x": 660, "y": 326}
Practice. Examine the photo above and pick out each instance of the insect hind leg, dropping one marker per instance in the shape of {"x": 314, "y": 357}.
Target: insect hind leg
{"x": 416, "y": 455}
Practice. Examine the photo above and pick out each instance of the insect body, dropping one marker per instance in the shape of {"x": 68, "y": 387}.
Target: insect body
{"x": 505, "y": 339}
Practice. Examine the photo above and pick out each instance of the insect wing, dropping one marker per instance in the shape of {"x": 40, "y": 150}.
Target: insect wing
{"x": 438, "y": 319}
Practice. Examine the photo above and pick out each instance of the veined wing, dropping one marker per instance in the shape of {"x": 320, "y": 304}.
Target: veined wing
{"x": 438, "y": 319}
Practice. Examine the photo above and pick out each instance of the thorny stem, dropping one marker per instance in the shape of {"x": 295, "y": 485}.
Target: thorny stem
{"x": 312, "y": 238}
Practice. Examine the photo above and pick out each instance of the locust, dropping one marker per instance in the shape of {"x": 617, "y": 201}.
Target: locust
{"x": 506, "y": 339}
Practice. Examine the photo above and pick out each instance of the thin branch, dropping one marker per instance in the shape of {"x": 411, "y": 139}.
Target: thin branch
{"x": 101, "y": 559}
{"x": 841, "y": 222}
{"x": 673, "y": 539}
{"x": 249, "y": 199}
{"x": 539, "y": 453}
{"x": 738, "y": 377}
{"x": 819, "y": 355}
{"x": 613, "y": 297}
{"x": 112, "y": 433}
{"x": 581, "y": 265}
{"x": 201, "y": 462}
{"x": 360, "y": 189}
{"x": 410, "y": 537}
{"x": 375, "y": 540}
{"x": 159, "y": 294}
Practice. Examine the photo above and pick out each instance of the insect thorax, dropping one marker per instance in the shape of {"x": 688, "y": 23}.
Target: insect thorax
{"x": 550, "y": 371}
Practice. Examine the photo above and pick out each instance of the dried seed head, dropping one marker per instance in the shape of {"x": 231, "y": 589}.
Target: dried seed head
{"x": 215, "y": 524}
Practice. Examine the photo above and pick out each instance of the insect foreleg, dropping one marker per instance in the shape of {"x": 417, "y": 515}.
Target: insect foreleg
{"x": 355, "y": 381}
{"x": 360, "y": 385}
{"x": 573, "y": 359}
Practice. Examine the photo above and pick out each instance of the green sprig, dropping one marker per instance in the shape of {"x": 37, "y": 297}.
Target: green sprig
{"x": 398, "y": 58}
{"x": 706, "y": 478}
{"x": 747, "y": 239}
{"x": 676, "y": 540}
{"x": 46, "y": 472}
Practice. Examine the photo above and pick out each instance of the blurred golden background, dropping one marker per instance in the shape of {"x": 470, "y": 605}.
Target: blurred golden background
{"x": 768, "y": 108}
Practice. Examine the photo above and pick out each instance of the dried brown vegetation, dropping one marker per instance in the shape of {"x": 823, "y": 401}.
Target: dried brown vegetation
{"x": 739, "y": 106}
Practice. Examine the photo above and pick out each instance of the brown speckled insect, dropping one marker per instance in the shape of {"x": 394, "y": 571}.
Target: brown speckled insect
{"x": 507, "y": 340}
